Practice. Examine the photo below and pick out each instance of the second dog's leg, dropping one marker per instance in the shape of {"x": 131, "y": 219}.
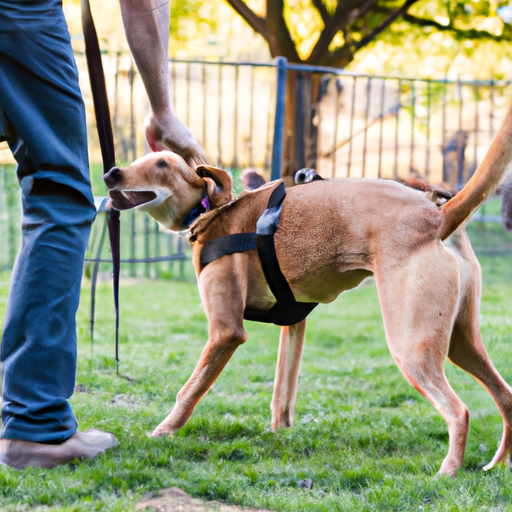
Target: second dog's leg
{"x": 284, "y": 398}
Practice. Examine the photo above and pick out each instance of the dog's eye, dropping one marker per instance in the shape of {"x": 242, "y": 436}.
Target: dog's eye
{"x": 162, "y": 163}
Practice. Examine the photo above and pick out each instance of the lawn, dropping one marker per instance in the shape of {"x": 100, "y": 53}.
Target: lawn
{"x": 363, "y": 438}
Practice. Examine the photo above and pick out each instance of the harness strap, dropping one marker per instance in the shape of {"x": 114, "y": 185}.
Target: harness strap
{"x": 266, "y": 228}
{"x": 286, "y": 310}
{"x": 228, "y": 244}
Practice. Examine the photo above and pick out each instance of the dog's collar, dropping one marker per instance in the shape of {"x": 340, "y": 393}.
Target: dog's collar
{"x": 201, "y": 207}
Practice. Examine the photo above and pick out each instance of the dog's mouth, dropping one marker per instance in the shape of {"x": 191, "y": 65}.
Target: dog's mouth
{"x": 125, "y": 200}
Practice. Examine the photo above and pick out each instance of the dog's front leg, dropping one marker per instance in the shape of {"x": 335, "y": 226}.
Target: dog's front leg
{"x": 223, "y": 288}
{"x": 284, "y": 398}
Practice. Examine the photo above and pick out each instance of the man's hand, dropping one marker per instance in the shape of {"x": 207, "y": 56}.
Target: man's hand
{"x": 166, "y": 131}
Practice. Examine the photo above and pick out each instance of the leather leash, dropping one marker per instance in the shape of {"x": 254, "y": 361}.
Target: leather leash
{"x": 106, "y": 138}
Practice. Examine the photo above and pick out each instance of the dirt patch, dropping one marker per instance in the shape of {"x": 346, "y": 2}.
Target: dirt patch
{"x": 174, "y": 499}
{"x": 125, "y": 400}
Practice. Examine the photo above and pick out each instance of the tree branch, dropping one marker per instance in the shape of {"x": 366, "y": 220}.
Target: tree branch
{"x": 342, "y": 56}
{"x": 465, "y": 33}
{"x": 362, "y": 11}
{"x": 385, "y": 24}
{"x": 279, "y": 39}
{"x": 339, "y": 58}
{"x": 322, "y": 10}
{"x": 335, "y": 23}
{"x": 253, "y": 20}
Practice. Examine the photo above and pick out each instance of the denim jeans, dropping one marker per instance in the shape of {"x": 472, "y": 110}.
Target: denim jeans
{"x": 41, "y": 103}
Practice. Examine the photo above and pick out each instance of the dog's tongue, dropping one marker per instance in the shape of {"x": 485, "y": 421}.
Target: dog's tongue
{"x": 128, "y": 200}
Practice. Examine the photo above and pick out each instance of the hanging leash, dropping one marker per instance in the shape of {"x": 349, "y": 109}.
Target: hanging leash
{"x": 106, "y": 137}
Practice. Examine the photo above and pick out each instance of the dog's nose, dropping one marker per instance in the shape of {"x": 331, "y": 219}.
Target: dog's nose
{"x": 112, "y": 177}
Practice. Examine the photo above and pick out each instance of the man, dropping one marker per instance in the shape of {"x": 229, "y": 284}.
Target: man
{"x": 42, "y": 118}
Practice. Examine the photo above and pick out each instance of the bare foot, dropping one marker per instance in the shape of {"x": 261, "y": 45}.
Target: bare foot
{"x": 168, "y": 132}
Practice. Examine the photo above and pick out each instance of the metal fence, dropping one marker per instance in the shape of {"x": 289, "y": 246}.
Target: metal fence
{"x": 363, "y": 125}
{"x": 345, "y": 124}
{"x": 230, "y": 107}
{"x": 439, "y": 130}
{"x": 10, "y": 213}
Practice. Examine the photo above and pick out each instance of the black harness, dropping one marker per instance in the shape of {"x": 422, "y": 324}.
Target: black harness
{"x": 286, "y": 310}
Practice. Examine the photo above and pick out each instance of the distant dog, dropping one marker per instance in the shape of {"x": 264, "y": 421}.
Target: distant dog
{"x": 272, "y": 255}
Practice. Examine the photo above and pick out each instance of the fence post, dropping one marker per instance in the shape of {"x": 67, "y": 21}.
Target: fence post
{"x": 300, "y": 142}
{"x": 277, "y": 145}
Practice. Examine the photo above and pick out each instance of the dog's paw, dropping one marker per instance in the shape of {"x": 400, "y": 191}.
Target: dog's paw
{"x": 159, "y": 432}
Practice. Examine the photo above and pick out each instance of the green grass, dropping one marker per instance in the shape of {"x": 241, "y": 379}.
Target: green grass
{"x": 364, "y": 439}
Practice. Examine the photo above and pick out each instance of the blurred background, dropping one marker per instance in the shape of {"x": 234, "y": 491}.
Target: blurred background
{"x": 376, "y": 88}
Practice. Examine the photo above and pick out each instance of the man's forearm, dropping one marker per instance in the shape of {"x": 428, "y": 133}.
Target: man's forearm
{"x": 147, "y": 31}
{"x": 146, "y": 25}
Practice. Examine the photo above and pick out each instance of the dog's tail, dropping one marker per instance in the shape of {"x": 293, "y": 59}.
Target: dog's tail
{"x": 483, "y": 183}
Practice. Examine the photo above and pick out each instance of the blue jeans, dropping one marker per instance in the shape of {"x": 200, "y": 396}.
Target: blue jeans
{"x": 44, "y": 112}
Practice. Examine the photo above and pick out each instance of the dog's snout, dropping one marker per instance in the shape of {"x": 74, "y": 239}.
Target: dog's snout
{"x": 112, "y": 177}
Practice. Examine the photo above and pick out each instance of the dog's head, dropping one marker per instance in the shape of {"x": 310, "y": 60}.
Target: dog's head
{"x": 165, "y": 186}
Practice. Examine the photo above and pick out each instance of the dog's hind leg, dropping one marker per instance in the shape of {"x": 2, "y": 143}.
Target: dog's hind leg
{"x": 291, "y": 342}
{"x": 419, "y": 299}
{"x": 468, "y": 352}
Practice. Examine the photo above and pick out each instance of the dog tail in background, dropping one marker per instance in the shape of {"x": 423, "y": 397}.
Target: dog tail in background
{"x": 483, "y": 183}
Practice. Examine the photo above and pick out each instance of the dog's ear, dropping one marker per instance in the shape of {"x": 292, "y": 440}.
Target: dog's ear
{"x": 218, "y": 185}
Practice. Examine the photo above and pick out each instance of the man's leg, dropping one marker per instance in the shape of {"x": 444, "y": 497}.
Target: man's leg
{"x": 39, "y": 338}
{"x": 39, "y": 93}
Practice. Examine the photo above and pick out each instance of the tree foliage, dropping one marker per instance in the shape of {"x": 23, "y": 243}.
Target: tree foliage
{"x": 331, "y": 32}
{"x": 190, "y": 18}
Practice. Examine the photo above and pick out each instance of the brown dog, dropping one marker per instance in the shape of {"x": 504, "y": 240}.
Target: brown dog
{"x": 331, "y": 235}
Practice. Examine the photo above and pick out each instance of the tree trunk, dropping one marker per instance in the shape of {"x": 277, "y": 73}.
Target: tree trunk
{"x": 303, "y": 95}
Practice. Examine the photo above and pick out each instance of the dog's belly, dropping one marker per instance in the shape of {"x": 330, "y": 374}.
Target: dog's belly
{"x": 324, "y": 287}
{"x": 259, "y": 295}
{"x": 321, "y": 285}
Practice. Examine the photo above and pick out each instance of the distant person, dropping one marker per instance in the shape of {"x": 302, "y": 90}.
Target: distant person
{"x": 252, "y": 179}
